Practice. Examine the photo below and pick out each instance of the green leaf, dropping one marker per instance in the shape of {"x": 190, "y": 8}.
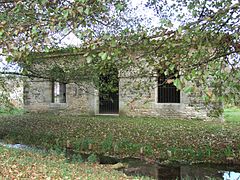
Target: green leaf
{"x": 89, "y": 59}
{"x": 93, "y": 47}
{"x": 1, "y": 32}
{"x": 87, "y": 11}
{"x": 43, "y": 1}
{"x": 9, "y": 59}
{"x": 65, "y": 14}
{"x": 177, "y": 83}
{"x": 103, "y": 55}
{"x": 172, "y": 66}
{"x": 188, "y": 90}
{"x": 113, "y": 43}
{"x": 180, "y": 30}
{"x": 80, "y": 10}
{"x": 34, "y": 30}
{"x": 119, "y": 7}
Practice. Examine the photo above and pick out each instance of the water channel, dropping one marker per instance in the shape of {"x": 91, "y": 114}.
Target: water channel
{"x": 138, "y": 167}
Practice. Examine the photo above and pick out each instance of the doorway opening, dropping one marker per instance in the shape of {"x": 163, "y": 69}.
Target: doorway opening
{"x": 109, "y": 93}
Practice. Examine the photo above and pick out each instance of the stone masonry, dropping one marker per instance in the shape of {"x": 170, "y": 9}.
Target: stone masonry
{"x": 84, "y": 99}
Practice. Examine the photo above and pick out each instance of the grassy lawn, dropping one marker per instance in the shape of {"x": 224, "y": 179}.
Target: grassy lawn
{"x": 14, "y": 111}
{"x": 232, "y": 115}
{"x": 152, "y": 138}
{"x": 17, "y": 164}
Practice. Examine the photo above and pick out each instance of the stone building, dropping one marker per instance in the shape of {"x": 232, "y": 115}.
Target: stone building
{"x": 161, "y": 99}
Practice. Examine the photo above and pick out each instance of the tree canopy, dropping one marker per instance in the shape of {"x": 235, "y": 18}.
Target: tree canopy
{"x": 199, "y": 38}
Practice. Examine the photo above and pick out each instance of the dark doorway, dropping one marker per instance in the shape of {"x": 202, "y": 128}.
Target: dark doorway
{"x": 109, "y": 93}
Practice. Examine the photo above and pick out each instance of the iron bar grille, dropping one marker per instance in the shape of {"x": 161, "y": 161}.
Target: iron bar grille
{"x": 109, "y": 103}
{"x": 109, "y": 94}
{"x": 167, "y": 92}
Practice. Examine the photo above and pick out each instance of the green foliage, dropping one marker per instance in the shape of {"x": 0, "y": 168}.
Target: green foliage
{"x": 228, "y": 151}
{"x": 77, "y": 144}
{"x": 204, "y": 48}
{"x": 126, "y": 145}
{"x": 92, "y": 158}
{"x": 103, "y": 55}
{"x": 200, "y": 155}
{"x": 208, "y": 151}
{"x": 148, "y": 150}
{"x": 177, "y": 83}
{"x": 77, "y": 158}
{"x": 85, "y": 144}
{"x": 107, "y": 144}
{"x": 188, "y": 90}
{"x": 58, "y": 17}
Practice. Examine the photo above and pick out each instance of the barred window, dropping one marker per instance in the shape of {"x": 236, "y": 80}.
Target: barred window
{"x": 167, "y": 91}
{"x": 58, "y": 92}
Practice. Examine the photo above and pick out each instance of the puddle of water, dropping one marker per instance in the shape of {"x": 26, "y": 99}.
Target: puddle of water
{"x": 138, "y": 167}
{"x": 22, "y": 147}
{"x": 199, "y": 171}
{"x": 134, "y": 167}
{"x": 231, "y": 175}
{"x": 16, "y": 146}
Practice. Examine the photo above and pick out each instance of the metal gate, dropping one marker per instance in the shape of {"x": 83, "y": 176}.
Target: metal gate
{"x": 108, "y": 94}
{"x": 109, "y": 103}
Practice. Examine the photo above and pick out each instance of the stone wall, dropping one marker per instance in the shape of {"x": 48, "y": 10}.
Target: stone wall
{"x": 146, "y": 104}
{"x": 38, "y": 97}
